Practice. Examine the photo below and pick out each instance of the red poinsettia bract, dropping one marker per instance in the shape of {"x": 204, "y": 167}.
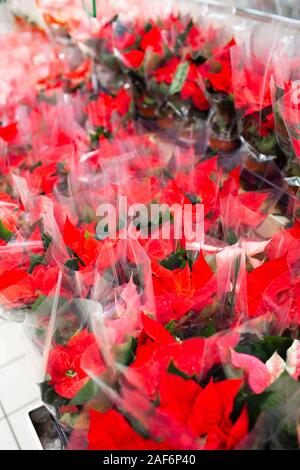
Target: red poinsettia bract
{"x": 204, "y": 412}
{"x": 64, "y": 364}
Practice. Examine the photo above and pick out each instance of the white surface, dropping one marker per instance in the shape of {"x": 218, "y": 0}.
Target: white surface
{"x": 27, "y": 8}
{"x": 26, "y": 437}
{"x": 7, "y": 22}
{"x": 11, "y": 342}
{"x": 16, "y": 385}
{"x": 7, "y": 439}
{"x": 17, "y": 390}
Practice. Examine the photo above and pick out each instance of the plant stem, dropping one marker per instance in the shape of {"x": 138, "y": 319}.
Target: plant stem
{"x": 94, "y": 14}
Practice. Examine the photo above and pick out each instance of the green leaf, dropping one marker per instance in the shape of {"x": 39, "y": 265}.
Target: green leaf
{"x": 171, "y": 327}
{"x": 72, "y": 264}
{"x": 194, "y": 199}
{"x": 282, "y": 391}
{"x": 38, "y": 302}
{"x": 125, "y": 353}
{"x": 282, "y": 411}
{"x": 265, "y": 348}
{"x": 267, "y": 144}
{"x": 85, "y": 394}
{"x": 149, "y": 100}
{"x": 46, "y": 240}
{"x": 47, "y": 302}
{"x": 254, "y": 405}
{"x": 183, "y": 36}
{"x": 231, "y": 237}
{"x": 250, "y": 344}
{"x": 179, "y": 78}
{"x": 35, "y": 260}
{"x": 74, "y": 255}
{"x": 69, "y": 419}
{"x": 100, "y": 130}
{"x": 172, "y": 369}
{"x": 210, "y": 330}
{"x": 148, "y": 27}
{"x": 50, "y": 397}
{"x": 5, "y": 234}
{"x": 174, "y": 261}
{"x": 270, "y": 344}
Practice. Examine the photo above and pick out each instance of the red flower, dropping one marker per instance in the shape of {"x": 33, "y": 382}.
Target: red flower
{"x": 201, "y": 272}
{"x": 133, "y": 59}
{"x": 111, "y": 431}
{"x": 158, "y": 249}
{"x": 125, "y": 40}
{"x": 43, "y": 178}
{"x": 86, "y": 248}
{"x": 152, "y": 40}
{"x": 152, "y": 337}
{"x": 194, "y": 356}
{"x": 260, "y": 278}
{"x": 69, "y": 409}
{"x": 246, "y": 209}
{"x": 178, "y": 291}
{"x": 289, "y": 110}
{"x": 251, "y": 81}
{"x": 196, "y": 38}
{"x": 206, "y": 412}
{"x": 217, "y": 70}
{"x": 267, "y": 125}
{"x": 200, "y": 100}
{"x": 64, "y": 364}
{"x": 285, "y": 242}
{"x": 203, "y": 182}
{"x": 11, "y": 277}
{"x": 219, "y": 76}
{"x": 296, "y": 146}
{"x": 166, "y": 72}
{"x": 100, "y": 111}
{"x": 9, "y": 132}
{"x": 191, "y": 88}
{"x": 156, "y": 332}
{"x": 17, "y": 287}
{"x": 122, "y": 102}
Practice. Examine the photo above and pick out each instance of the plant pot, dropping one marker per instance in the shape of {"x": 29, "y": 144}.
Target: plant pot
{"x": 44, "y": 430}
{"x": 222, "y": 124}
{"x": 223, "y": 145}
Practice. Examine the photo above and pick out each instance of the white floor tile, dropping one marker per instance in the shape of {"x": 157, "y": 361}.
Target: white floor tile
{"x": 12, "y": 343}
{"x": 17, "y": 386}
{"x": 25, "y": 436}
{"x": 1, "y": 412}
{"x": 7, "y": 440}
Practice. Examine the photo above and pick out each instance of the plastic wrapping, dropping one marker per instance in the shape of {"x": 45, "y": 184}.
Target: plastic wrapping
{"x": 285, "y": 77}
{"x": 288, "y": 107}
{"x": 174, "y": 329}
{"x": 252, "y": 70}
{"x": 164, "y": 63}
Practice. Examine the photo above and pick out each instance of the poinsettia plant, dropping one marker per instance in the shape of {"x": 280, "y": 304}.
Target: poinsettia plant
{"x": 252, "y": 97}
{"x": 149, "y": 342}
{"x": 186, "y": 401}
{"x": 162, "y": 60}
{"x": 288, "y": 107}
{"x": 109, "y": 114}
{"x": 284, "y": 82}
{"x": 217, "y": 74}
